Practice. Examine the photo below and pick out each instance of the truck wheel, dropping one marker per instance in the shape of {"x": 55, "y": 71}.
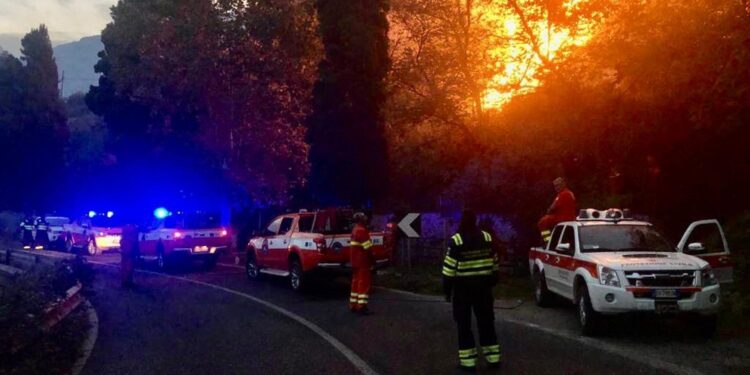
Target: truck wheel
{"x": 251, "y": 268}
{"x": 587, "y": 317}
{"x": 91, "y": 248}
{"x": 542, "y": 296}
{"x": 296, "y": 276}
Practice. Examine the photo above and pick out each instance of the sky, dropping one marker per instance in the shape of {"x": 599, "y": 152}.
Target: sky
{"x": 67, "y": 20}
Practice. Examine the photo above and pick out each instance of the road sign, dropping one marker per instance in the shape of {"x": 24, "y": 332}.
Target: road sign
{"x": 409, "y": 227}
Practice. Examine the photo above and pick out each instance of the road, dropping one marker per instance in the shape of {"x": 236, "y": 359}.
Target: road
{"x": 217, "y": 321}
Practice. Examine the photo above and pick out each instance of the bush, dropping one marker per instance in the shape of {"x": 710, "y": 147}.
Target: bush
{"x": 22, "y": 303}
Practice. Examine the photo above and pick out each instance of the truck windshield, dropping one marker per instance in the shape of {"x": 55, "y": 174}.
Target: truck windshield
{"x": 193, "y": 220}
{"x": 606, "y": 238}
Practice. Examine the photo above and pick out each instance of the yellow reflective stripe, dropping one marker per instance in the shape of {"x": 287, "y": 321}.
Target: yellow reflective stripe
{"x": 492, "y": 358}
{"x": 353, "y": 300}
{"x": 449, "y": 272}
{"x": 367, "y": 244}
{"x": 450, "y": 261}
{"x": 465, "y": 353}
{"x": 355, "y": 243}
{"x": 546, "y": 232}
{"x": 457, "y": 239}
{"x": 475, "y": 263}
{"x": 491, "y": 349}
{"x": 487, "y": 236}
{"x": 468, "y": 362}
{"x": 475, "y": 273}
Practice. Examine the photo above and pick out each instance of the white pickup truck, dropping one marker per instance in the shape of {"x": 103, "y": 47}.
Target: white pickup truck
{"x": 606, "y": 263}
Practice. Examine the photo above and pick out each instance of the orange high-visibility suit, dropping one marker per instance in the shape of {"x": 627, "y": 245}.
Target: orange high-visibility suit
{"x": 563, "y": 208}
{"x": 362, "y": 261}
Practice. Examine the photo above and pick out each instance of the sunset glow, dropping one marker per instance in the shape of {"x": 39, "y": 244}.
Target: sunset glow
{"x": 518, "y": 58}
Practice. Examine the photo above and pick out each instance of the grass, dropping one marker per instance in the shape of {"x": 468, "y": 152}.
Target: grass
{"x": 427, "y": 279}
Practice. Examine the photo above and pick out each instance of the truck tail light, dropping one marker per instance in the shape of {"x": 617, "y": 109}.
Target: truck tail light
{"x": 320, "y": 243}
{"x": 223, "y": 233}
{"x": 177, "y": 235}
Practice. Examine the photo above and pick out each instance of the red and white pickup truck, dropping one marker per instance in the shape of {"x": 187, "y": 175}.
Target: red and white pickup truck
{"x": 295, "y": 245}
{"x": 93, "y": 233}
{"x": 607, "y": 263}
{"x": 196, "y": 235}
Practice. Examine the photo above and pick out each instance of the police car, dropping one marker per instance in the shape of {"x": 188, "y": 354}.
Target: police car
{"x": 608, "y": 263}
{"x": 186, "y": 235}
{"x": 93, "y": 233}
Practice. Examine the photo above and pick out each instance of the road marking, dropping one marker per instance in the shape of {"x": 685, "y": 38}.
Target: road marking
{"x": 355, "y": 360}
{"x": 610, "y": 348}
{"x": 88, "y": 343}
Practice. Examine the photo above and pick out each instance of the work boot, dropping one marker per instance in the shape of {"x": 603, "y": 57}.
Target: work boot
{"x": 493, "y": 366}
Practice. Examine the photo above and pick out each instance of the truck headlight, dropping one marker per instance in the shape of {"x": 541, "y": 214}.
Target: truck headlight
{"x": 707, "y": 277}
{"x": 608, "y": 276}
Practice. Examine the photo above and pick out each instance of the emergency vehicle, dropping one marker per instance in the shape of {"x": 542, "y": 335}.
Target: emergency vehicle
{"x": 297, "y": 244}
{"x": 56, "y": 230}
{"x": 93, "y": 233}
{"x": 608, "y": 263}
{"x": 195, "y": 235}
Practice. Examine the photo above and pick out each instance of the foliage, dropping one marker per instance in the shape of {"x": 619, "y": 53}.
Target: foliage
{"x": 33, "y": 131}
{"x": 455, "y": 63}
{"x": 225, "y": 84}
{"x": 346, "y": 128}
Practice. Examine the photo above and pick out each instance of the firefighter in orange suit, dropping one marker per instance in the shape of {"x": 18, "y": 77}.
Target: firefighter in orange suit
{"x": 362, "y": 262}
{"x": 563, "y": 208}
{"x": 128, "y": 254}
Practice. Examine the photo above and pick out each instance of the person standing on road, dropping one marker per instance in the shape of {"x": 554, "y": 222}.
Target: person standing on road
{"x": 27, "y": 232}
{"x": 41, "y": 239}
{"x": 128, "y": 254}
{"x": 362, "y": 261}
{"x": 470, "y": 272}
{"x": 563, "y": 208}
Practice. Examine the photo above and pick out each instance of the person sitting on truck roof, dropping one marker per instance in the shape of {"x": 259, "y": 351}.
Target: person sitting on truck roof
{"x": 563, "y": 208}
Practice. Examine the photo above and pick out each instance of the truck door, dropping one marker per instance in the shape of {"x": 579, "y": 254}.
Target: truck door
{"x": 548, "y": 258}
{"x": 278, "y": 245}
{"x": 705, "y": 239}
{"x": 563, "y": 261}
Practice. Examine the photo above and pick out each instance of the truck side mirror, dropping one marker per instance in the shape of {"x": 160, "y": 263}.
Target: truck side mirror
{"x": 695, "y": 248}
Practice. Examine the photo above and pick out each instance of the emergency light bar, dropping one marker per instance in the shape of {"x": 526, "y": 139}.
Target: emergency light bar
{"x": 612, "y": 214}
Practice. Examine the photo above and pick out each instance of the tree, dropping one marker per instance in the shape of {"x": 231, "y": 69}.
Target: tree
{"x": 223, "y": 83}
{"x": 32, "y": 120}
{"x": 346, "y": 129}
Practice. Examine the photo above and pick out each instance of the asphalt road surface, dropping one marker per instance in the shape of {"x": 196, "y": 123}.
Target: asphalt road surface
{"x": 217, "y": 322}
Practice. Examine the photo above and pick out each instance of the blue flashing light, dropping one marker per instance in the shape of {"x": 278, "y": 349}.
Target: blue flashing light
{"x": 92, "y": 214}
{"x": 161, "y": 213}
{"x": 110, "y": 214}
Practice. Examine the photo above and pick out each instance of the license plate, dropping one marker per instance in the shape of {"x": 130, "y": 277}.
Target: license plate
{"x": 665, "y": 293}
{"x": 666, "y": 307}
{"x": 200, "y": 249}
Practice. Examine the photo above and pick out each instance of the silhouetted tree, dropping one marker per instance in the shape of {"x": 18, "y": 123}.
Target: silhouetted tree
{"x": 346, "y": 130}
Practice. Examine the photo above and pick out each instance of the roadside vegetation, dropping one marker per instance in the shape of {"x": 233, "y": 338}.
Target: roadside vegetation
{"x": 25, "y": 347}
{"x": 427, "y": 279}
